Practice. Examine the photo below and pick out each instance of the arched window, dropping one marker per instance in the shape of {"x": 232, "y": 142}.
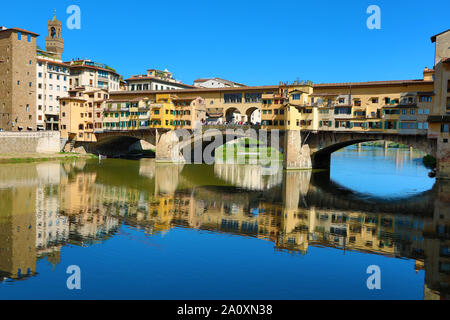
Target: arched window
{"x": 53, "y": 33}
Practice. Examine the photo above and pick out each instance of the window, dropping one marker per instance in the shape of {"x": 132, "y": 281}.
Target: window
{"x": 296, "y": 96}
{"x": 375, "y": 100}
{"x": 233, "y": 98}
{"x": 445, "y": 127}
{"x": 425, "y": 99}
{"x": 19, "y": 35}
{"x": 253, "y": 97}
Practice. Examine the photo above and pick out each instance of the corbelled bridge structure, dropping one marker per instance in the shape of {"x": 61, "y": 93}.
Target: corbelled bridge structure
{"x": 302, "y": 149}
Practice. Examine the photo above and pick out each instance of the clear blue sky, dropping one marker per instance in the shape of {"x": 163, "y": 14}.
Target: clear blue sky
{"x": 252, "y": 42}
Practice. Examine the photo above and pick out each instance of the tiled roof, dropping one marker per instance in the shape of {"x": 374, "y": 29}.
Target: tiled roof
{"x": 219, "y": 79}
{"x": 138, "y": 78}
{"x": 372, "y": 83}
{"x": 20, "y": 30}
{"x": 433, "y": 38}
{"x": 197, "y": 90}
{"x": 90, "y": 67}
{"x": 60, "y": 63}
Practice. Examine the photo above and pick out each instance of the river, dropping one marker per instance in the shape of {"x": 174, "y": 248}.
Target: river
{"x": 141, "y": 230}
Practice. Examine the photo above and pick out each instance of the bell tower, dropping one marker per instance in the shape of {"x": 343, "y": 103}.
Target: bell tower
{"x": 54, "y": 44}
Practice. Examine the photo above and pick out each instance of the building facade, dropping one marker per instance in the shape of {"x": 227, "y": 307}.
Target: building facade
{"x": 216, "y": 83}
{"x": 155, "y": 80}
{"x": 17, "y": 79}
{"x": 93, "y": 75}
{"x": 52, "y": 78}
{"x": 81, "y": 114}
{"x": 440, "y": 114}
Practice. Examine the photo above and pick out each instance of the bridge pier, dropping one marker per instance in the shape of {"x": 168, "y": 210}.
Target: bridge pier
{"x": 297, "y": 156}
{"x": 443, "y": 160}
{"x": 168, "y": 147}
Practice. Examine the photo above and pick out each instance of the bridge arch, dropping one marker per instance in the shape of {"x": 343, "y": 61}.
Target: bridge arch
{"x": 233, "y": 115}
{"x": 121, "y": 142}
{"x": 191, "y": 147}
{"x": 323, "y": 144}
{"x": 253, "y": 115}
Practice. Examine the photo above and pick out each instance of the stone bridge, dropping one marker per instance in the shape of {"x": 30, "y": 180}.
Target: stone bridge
{"x": 302, "y": 150}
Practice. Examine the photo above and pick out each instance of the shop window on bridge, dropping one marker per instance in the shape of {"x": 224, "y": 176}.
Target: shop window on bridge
{"x": 347, "y": 111}
{"x": 296, "y": 96}
{"x": 390, "y": 125}
{"x": 391, "y": 111}
{"x": 407, "y": 125}
{"x": 233, "y": 98}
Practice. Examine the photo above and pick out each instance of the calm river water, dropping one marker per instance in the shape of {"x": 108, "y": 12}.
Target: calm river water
{"x": 140, "y": 230}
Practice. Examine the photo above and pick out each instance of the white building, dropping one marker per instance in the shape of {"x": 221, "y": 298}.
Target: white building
{"x": 92, "y": 75}
{"x": 52, "y": 83}
{"x": 155, "y": 80}
{"x": 216, "y": 83}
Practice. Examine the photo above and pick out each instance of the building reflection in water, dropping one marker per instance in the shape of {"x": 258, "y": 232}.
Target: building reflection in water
{"x": 47, "y": 206}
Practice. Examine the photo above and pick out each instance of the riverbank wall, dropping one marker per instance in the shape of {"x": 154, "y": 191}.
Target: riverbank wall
{"x": 30, "y": 142}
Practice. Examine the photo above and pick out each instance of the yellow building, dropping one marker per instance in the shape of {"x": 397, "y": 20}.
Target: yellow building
{"x": 81, "y": 114}
{"x": 126, "y": 115}
{"x": 169, "y": 111}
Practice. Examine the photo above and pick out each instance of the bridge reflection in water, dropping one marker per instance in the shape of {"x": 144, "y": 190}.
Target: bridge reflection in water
{"x": 48, "y": 206}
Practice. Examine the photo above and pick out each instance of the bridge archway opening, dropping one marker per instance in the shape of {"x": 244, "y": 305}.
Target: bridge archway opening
{"x": 241, "y": 143}
{"x": 321, "y": 159}
{"x": 253, "y": 116}
{"x": 233, "y": 115}
{"x": 124, "y": 145}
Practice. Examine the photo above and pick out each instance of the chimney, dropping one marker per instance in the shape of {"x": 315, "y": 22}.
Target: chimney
{"x": 428, "y": 74}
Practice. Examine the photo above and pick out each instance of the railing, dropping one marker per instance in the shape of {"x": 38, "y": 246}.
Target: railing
{"x": 231, "y": 126}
